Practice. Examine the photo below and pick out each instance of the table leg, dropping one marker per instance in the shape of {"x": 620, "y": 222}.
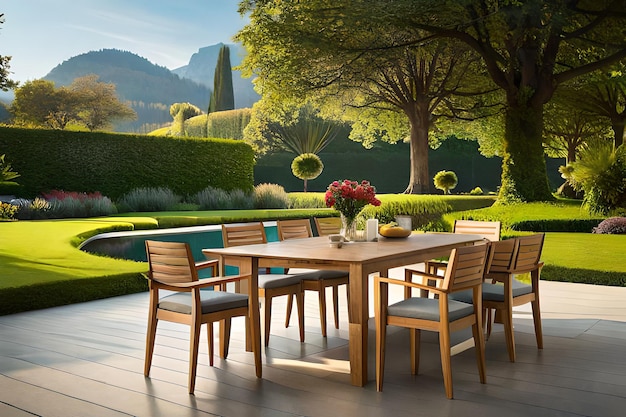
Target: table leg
{"x": 255, "y": 320}
{"x": 359, "y": 315}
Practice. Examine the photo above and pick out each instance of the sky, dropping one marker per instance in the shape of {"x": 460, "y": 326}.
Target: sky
{"x": 41, "y": 34}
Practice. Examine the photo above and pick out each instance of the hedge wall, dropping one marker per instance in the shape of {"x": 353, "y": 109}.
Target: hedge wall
{"x": 114, "y": 164}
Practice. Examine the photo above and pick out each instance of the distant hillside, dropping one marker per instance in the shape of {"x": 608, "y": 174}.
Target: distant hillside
{"x": 201, "y": 69}
{"x": 150, "y": 88}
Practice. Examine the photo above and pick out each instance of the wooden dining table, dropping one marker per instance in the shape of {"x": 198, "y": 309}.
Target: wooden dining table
{"x": 359, "y": 258}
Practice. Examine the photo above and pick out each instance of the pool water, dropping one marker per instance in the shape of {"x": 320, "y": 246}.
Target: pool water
{"x": 131, "y": 244}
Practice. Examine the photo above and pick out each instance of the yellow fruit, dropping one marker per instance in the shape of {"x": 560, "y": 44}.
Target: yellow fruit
{"x": 393, "y": 230}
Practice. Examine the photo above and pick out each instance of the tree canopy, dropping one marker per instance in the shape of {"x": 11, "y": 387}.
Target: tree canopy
{"x": 317, "y": 48}
{"x": 86, "y": 101}
{"x": 5, "y": 81}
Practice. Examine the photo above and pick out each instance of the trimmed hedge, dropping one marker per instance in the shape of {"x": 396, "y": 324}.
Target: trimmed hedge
{"x": 52, "y": 294}
{"x": 114, "y": 164}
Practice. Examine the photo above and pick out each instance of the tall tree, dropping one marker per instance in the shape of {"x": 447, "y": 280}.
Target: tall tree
{"x": 98, "y": 103}
{"x": 223, "y": 96}
{"x": 305, "y": 46}
{"x": 33, "y": 102}
{"x": 524, "y": 46}
{"x": 605, "y": 96}
{"x": 370, "y": 70}
{"x": 5, "y": 82}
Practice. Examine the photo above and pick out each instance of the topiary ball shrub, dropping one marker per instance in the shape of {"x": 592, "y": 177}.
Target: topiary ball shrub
{"x": 611, "y": 226}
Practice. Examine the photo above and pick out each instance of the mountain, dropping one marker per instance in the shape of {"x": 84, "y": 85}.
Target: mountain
{"x": 151, "y": 89}
{"x": 201, "y": 69}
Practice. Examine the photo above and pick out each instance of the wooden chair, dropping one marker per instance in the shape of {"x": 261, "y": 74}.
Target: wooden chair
{"x": 327, "y": 225}
{"x": 442, "y": 314}
{"x": 501, "y": 291}
{"x": 502, "y": 298}
{"x": 488, "y": 230}
{"x": 270, "y": 285}
{"x": 316, "y": 280}
{"x": 172, "y": 268}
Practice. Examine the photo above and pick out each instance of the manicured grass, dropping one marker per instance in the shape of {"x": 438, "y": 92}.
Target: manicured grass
{"x": 40, "y": 265}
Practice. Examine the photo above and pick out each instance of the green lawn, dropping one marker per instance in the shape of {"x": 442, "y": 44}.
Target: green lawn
{"x": 40, "y": 265}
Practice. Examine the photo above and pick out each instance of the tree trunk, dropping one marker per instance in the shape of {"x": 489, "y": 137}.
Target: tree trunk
{"x": 618, "y": 130}
{"x": 524, "y": 175}
{"x": 419, "y": 181}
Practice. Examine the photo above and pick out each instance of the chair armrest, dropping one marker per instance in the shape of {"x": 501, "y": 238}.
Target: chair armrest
{"x": 406, "y": 284}
{"x": 207, "y": 282}
{"x": 213, "y": 263}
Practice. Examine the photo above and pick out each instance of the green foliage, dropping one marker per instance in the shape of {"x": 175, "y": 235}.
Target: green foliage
{"x": 223, "y": 96}
{"x": 5, "y": 82}
{"x": 148, "y": 199}
{"x": 559, "y": 216}
{"x": 477, "y": 191}
{"x": 600, "y": 173}
{"x": 307, "y": 166}
{"x": 445, "y": 180}
{"x": 31, "y": 209}
{"x": 425, "y": 210}
{"x": 216, "y": 199}
{"x": 181, "y": 112}
{"x": 73, "y": 207}
{"x": 267, "y": 196}
{"x": 7, "y": 211}
{"x": 228, "y": 124}
{"x": 306, "y": 200}
{"x": 86, "y": 101}
{"x": 6, "y": 172}
{"x": 115, "y": 164}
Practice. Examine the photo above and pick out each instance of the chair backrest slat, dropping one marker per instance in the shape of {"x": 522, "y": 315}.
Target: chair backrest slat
{"x": 528, "y": 252}
{"x": 328, "y": 225}
{"x": 501, "y": 255}
{"x": 465, "y": 268}
{"x": 488, "y": 230}
{"x": 294, "y": 229}
{"x": 243, "y": 234}
{"x": 170, "y": 262}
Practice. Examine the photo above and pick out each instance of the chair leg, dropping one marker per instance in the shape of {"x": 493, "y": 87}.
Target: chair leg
{"x": 210, "y": 339}
{"x": 336, "y": 305}
{"x": 289, "y": 308}
{"x": 479, "y": 346}
{"x": 446, "y": 366}
{"x": 321, "y": 293}
{"x": 415, "y": 335}
{"x": 381, "y": 341}
{"x": 488, "y": 319}
{"x": 267, "y": 317}
{"x": 224, "y": 337}
{"x": 193, "y": 354}
{"x": 150, "y": 338}
{"x": 507, "y": 319}
{"x": 300, "y": 305}
{"x": 537, "y": 322}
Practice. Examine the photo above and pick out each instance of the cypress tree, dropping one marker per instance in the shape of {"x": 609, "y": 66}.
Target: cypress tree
{"x": 223, "y": 97}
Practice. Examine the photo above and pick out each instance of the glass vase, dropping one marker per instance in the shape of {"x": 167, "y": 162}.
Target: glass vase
{"x": 348, "y": 228}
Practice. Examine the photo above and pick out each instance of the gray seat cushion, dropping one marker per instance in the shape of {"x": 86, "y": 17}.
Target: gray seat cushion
{"x": 268, "y": 281}
{"x": 323, "y": 274}
{"x": 211, "y": 301}
{"x": 493, "y": 292}
{"x": 428, "y": 309}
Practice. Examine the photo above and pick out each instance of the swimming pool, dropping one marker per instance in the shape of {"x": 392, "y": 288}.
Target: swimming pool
{"x": 130, "y": 244}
